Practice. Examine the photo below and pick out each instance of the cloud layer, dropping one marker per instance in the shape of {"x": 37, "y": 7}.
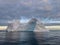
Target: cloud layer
{"x": 39, "y": 8}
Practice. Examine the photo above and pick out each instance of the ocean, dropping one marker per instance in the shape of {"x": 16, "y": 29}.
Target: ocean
{"x": 52, "y": 39}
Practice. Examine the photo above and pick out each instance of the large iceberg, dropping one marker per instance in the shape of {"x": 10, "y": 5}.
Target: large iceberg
{"x": 18, "y": 31}
{"x": 30, "y": 25}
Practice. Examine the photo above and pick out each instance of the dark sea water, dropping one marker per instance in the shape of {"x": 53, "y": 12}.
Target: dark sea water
{"x": 52, "y": 39}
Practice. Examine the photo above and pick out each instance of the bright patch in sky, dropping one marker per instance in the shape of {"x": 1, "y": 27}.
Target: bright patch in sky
{"x": 48, "y": 21}
{"x": 24, "y": 20}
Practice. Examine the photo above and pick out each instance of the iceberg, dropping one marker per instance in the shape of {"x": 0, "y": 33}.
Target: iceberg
{"x": 20, "y": 32}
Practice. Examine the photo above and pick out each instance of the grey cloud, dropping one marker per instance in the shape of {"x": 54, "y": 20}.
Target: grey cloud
{"x": 8, "y": 1}
{"x": 17, "y": 8}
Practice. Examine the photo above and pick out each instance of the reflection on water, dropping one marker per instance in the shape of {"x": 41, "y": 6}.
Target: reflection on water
{"x": 28, "y": 38}
{"x": 18, "y": 38}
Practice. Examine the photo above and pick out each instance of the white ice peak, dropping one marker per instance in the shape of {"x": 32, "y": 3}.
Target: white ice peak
{"x": 32, "y": 25}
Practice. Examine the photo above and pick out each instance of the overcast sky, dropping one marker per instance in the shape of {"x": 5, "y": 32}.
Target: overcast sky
{"x": 39, "y": 8}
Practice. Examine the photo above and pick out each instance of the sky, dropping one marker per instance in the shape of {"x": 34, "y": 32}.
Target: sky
{"x": 43, "y": 9}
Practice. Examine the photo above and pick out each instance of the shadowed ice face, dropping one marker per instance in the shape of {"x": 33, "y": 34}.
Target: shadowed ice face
{"x": 33, "y": 20}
